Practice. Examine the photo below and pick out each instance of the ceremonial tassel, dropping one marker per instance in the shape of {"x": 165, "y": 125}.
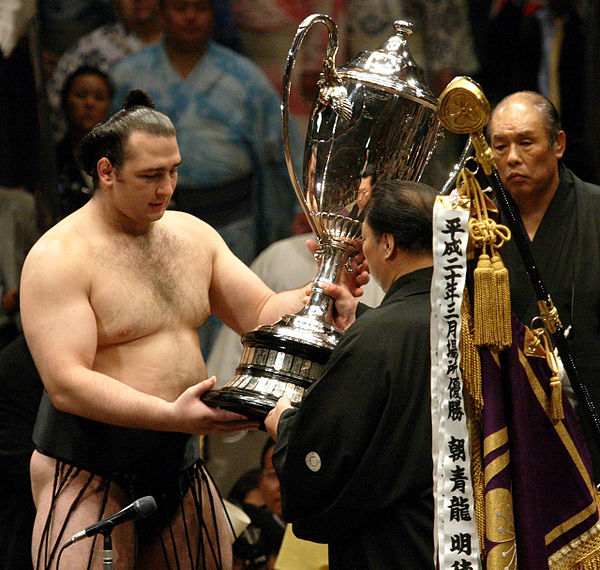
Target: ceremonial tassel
{"x": 502, "y": 286}
{"x": 556, "y": 407}
{"x": 473, "y": 393}
{"x": 470, "y": 359}
{"x": 555, "y": 411}
{"x": 477, "y": 471}
{"x": 484, "y": 304}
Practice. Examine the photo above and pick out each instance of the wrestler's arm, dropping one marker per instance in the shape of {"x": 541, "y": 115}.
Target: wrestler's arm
{"x": 242, "y": 301}
{"x": 61, "y": 331}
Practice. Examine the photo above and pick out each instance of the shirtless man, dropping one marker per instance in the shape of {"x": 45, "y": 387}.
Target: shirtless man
{"x": 111, "y": 300}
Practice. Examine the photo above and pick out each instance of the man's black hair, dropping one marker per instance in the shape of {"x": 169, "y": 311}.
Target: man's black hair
{"x": 405, "y": 210}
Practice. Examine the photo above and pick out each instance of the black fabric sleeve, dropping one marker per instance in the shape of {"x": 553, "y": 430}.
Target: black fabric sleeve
{"x": 344, "y": 456}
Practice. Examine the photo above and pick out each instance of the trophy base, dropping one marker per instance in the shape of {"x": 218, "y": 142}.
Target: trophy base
{"x": 254, "y": 406}
{"x": 278, "y": 360}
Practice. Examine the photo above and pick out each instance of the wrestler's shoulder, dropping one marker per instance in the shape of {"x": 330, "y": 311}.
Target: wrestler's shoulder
{"x": 187, "y": 224}
{"x": 70, "y": 236}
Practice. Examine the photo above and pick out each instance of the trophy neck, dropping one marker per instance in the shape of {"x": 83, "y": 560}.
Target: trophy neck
{"x": 334, "y": 255}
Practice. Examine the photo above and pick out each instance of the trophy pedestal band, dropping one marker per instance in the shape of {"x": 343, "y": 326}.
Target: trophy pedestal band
{"x": 278, "y": 360}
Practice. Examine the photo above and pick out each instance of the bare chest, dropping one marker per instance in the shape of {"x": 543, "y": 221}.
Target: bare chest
{"x": 145, "y": 288}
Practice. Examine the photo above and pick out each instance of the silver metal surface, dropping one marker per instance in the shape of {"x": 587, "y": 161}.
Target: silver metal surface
{"x": 374, "y": 114}
{"x": 392, "y": 128}
{"x": 450, "y": 183}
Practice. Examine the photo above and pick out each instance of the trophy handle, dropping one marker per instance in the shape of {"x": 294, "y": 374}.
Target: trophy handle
{"x": 329, "y": 74}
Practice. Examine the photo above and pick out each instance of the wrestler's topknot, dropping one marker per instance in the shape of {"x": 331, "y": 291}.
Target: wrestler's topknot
{"x": 108, "y": 139}
{"x": 138, "y": 97}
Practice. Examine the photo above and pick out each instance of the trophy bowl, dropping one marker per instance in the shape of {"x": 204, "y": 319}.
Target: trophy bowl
{"x": 373, "y": 119}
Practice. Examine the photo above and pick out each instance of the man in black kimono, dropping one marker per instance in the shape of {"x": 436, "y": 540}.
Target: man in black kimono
{"x": 354, "y": 461}
{"x": 561, "y": 216}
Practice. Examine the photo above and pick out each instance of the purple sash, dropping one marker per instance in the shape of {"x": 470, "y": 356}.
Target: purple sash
{"x": 535, "y": 470}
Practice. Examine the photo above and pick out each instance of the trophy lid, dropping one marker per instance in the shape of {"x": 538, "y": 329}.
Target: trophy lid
{"x": 391, "y": 67}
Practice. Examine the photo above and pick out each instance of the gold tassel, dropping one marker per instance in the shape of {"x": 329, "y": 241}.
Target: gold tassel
{"x": 502, "y": 286}
{"x": 484, "y": 301}
{"x": 470, "y": 360}
{"x": 491, "y": 293}
{"x": 477, "y": 470}
{"x": 556, "y": 407}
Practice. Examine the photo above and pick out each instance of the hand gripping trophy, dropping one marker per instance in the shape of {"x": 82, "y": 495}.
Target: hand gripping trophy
{"x": 374, "y": 114}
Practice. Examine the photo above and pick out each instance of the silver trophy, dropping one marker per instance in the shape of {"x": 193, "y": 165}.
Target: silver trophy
{"x": 373, "y": 118}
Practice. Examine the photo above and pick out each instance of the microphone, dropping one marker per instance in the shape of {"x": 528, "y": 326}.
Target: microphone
{"x": 137, "y": 510}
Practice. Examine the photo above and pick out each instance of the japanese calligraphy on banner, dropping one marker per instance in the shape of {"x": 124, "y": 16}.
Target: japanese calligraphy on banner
{"x": 455, "y": 529}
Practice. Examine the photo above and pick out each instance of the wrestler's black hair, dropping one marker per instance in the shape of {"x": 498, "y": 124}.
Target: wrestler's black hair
{"x": 545, "y": 107}
{"x": 108, "y": 139}
{"x": 405, "y": 210}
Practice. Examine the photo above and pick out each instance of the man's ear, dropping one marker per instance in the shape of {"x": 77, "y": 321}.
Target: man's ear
{"x": 389, "y": 244}
{"x": 560, "y": 144}
{"x": 106, "y": 172}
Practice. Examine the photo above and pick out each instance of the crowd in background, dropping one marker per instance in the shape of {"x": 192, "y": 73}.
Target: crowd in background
{"x": 509, "y": 38}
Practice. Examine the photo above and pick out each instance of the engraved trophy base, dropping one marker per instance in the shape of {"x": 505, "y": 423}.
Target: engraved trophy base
{"x": 278, "y": 360}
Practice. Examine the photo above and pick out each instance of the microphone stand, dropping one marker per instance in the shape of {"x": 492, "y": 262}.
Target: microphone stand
{"x": 107, "y": 552}
{"x": 463, "y": 109}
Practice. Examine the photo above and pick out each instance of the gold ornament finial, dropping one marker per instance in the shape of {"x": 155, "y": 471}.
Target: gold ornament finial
{"x": 464, "y": 109}
{"x": 462, "y": 106}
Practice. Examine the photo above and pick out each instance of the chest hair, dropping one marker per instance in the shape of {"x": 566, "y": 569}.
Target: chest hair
{"x": 155, "y": 263}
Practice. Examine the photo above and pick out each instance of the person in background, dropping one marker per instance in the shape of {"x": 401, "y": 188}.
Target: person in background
{"x": 63, "y": 22}
{"x": 245, "y": 489}
{"x": 554, "y": 65}
{"x": 258, "y": 545}
{"x": 85, "y": 102}
{"x": 20, "y": 393}
{"x": 266, "y": 29}
{"x": 137, "y": 24}
{"x": 19, "y": 223}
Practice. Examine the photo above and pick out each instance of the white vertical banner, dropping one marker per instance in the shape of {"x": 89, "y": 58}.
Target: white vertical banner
{"x": 455, "y": 529}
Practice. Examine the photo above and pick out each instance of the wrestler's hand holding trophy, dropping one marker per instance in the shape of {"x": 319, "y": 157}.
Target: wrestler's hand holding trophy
{"x": 375, "y": 113}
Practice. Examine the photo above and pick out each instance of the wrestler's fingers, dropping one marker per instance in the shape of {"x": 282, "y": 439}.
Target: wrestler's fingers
{"x": 205, "y": 385}
{"x": 312, "y": 245}
{"x": 198, "y": 390}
